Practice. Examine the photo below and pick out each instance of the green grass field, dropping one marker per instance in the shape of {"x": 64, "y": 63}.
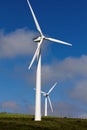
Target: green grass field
{"x": 26, "y": 122}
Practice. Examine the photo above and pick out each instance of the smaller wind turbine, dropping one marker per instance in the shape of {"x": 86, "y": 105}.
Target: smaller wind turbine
{"x": 47, "y": 98}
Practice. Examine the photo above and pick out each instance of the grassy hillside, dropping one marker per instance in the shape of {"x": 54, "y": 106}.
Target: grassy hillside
{"x": 26, "y": 122}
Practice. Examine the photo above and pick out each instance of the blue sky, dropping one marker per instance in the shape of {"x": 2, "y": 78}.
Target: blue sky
{"x": 65, "y": 20}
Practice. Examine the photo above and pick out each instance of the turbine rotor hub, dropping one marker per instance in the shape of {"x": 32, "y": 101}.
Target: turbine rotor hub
{"x": 38, "y": 39}
{"x": 45, "y": 94}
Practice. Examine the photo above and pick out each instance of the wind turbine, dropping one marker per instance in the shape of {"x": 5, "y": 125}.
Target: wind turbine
{"x": 47, "y": 98}
{"x": 37, "y": 56}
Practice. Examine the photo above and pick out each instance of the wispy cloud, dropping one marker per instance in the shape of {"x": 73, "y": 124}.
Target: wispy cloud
{"x": 9, "y": 106}
{"x": 17, "y": 43}
{"x": 14, "y": 107}
{"x": 67, "y": 69}
{"x": 67, "y": 109}
{"x": 79, "y": 92}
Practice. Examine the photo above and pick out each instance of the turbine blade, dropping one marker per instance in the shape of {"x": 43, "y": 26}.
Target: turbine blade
{"x": 34, "y": 17}
{"x": 34, "y": 57}
{"x": 41, "y": 91}
{"x": 35, "y": 89}
{"x": 35, "y": 54}
{"x": 58, "y": 41}
{"x": 52, "y": 88}
{"x": 50, "y": 103}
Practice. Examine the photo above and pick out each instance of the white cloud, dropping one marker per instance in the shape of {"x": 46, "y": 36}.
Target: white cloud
{"x": 11, "y": 105}
{"x": 17, "y": 43}
{"x": 69, "y": 68}
{"x": 66, "y": 109}
{"x": 79, "y": 92}
{"x": 14, "y": 107}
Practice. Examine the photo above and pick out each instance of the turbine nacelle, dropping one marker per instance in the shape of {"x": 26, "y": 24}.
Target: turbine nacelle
{"x": 45, "y": 95}
{"x": 38, "y": 38}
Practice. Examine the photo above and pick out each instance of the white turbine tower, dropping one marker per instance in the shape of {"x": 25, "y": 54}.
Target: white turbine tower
{"x": 46, "y": 95}
{"x": 37, "y": 56}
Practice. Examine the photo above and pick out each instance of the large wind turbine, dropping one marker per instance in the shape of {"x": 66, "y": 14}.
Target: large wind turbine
{"x": 46, "y": 95}
{"x": 37, "y": 56}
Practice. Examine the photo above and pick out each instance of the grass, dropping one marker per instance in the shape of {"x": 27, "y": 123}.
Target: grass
{"x": 26, "y": 122}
